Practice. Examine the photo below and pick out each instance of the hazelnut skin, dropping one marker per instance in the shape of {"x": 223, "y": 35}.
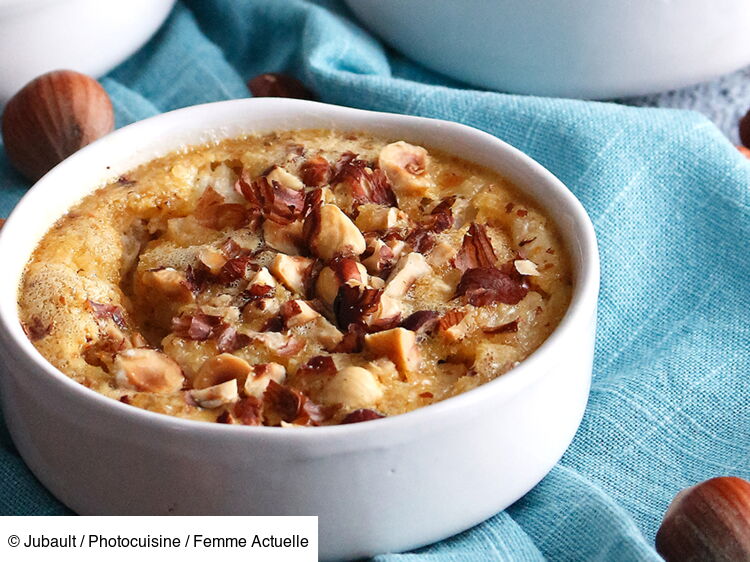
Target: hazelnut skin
{"x": 708, "y": 522}
{"x": 52, "y": 117}
{"x": 274, "y": 84}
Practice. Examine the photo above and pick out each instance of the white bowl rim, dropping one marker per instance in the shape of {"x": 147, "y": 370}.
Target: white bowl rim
{"x": 583, "y": 301}
{"x": 28, "y": 4}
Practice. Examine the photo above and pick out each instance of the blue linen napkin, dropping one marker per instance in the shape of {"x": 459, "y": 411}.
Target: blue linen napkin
{"x": 670, "y": 200}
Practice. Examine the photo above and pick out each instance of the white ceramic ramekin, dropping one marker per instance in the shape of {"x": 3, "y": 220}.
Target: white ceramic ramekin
{"x": 385, "y": 485}
{"x": 569, "y": 48}
{"x": 89, "y": 36}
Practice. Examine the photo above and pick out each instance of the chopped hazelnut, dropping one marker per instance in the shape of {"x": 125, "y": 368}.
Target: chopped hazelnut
{"x": 292, "y": 271}
{"x": 262, "y": 277}
{"x": 526, "y": 267}
{"x": 264, "y": 308}
{"x": 326, "y": 195}
{"x": 283, "y": 345}
{"x": 328, "y": 282}
{"x": 373, "y": 217}
{"x": 397, "y": 247}
{"x": 283, "y": 177}
{"x": 408, "y": 269}
{"x": 286, "y": 238}
{"x": 297, "y": 312}
{"x": 381, "y": 258}
{"x": 147, "y": 370}
{"x": 452, "y": 326}
{"x": 221, "y": 368}
{"x": 316, "y": 171}
{"x": 326, "y": 333}
{"x": 170, "y": 283}
{"x": 216, "y": 395}
{"x": 422, "y": 322}
{"x": 399, "y": 345}
{"x": 389, "y": 308}
{"x": 330, "y": 233}
{"x": 261, "y": 375}
{"x": 405, "y": 166}
{"x": 441, "y": 254}
{"x": 212, "y": 258}
{"x": 354, "y": 387}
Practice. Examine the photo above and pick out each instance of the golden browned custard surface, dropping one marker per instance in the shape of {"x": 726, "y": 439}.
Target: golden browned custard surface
{"x": 299, "y": 278}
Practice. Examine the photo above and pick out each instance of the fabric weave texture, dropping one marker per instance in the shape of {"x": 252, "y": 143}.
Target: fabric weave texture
{"x": 669, "y": 197}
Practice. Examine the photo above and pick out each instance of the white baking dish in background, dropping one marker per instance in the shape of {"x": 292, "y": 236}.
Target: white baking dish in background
{"x": 596, "y": 49}
{"x": 90, "y": 36}
{"x": 379, "y": 486}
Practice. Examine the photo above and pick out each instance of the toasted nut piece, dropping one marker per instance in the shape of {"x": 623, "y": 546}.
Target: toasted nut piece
{"x": 212, "y": 258}
{"x": 452, "y": 325}
{"x": 283, "y": 345}
{"x": 286, "y": 238}
{"x": 458, "y": 209}
{"x": 408, "y": 269}
{"x": 405, "y": 166}
{"x": 373, "y": 217}
{"x": 375, "y": 262}
{"x": 526, "y": 267}
{"x": 422, "y": 322}
{"x": 331, "y": 233}
{"x": 147, "y": 370}
{"x": 257, "y": 381}
{"x": 263, "y": 277}
{"x": 326, "y": 333}
{"x": 354, "y": 387}
{"x": 327, "y": 286}
{"x": 441, "y": 254}
{"x": 316, "y": 171}
{"x": 397, "y": 247}
{"x": 221, "y": 368}
{"x": 170, "y": 283}
{"x": 327, "y": 196}
{"x": 137, "y": 340}
{"x": 297, "y": 312}
{"x": 319, "y": 196}
{"x": 280, "y": 175}
{"x": 292, "y": 271}
{"x": 328, "y": 283}
{"x": 263, "y": 308}
{"x": 216, "y": 395}
{"x": 399, "y": 345}
{"x": 454, "y": 333}
{"x": 388, "y": 308}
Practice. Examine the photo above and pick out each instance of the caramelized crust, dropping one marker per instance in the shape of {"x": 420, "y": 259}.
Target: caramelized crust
{"x": 299, "y": 278}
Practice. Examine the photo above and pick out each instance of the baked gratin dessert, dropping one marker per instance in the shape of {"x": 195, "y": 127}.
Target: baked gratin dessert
{"x": 299, "y": 278}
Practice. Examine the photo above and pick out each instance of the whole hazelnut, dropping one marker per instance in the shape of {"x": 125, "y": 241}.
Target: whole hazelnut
{"x": 53, "y": 116}
{"x": 744, "y": 129}
{"x": 277, "y": 85}
{"x": 708, "y": 522}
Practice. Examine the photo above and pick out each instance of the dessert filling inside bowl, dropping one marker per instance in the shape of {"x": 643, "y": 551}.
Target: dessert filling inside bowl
{"x": 298, "y": 278}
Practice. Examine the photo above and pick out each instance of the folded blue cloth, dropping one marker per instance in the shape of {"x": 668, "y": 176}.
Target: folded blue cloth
{"x": 669, "y": 197}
